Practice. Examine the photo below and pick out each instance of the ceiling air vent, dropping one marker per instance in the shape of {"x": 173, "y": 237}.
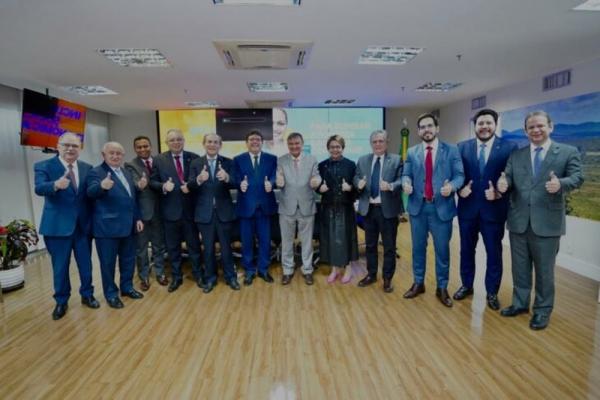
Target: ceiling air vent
{"x": 557, "y": 80}
{"x": 245, "y": 54}
{"x": 478, "y": 102}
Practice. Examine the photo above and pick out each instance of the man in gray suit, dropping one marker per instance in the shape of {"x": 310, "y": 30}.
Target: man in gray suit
{"x": 538, "y": 178}
{"x": 141, "y": 169}
{"x": 378, "y": 180}
{"x": 297, "y": 176}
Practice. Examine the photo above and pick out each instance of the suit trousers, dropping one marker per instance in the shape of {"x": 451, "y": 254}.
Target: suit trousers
{"x": 211, "y": 232}
{"x": 376, "y": 224}
{"x": 152, "y": 234}
{"x": 420, "y": 226}
{"x": 60, "y": 248}
{"x": 531, "y": 252}
{"x": 175, "y": 233}
{"x": 288, "y": 225}
{"x": 492, "y": 234}
{"x": 257, "y": 226}
{"x": 108, "y": 250}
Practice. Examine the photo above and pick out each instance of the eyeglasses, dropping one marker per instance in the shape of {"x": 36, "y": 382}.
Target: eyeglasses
{"x": 69, "y": 145}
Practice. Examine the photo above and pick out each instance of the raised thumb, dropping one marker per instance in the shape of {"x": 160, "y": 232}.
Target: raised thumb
{"x": 490, "y": 185}
{"x": 470, "y": 183}
{"x": 552, "y": 175}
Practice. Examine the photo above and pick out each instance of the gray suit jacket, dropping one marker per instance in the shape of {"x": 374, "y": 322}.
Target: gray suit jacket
{"x": 391, "y": 172}
{"x": 297, "y": 193}
{"x": 529, "y": 200}
{"x": 147, "y": 198}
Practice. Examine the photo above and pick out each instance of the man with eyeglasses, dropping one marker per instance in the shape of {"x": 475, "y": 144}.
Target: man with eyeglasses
{"x": 66, "y": 222}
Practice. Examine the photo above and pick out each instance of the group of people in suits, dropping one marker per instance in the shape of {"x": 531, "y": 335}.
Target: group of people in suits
{"x": 179, "y": 197}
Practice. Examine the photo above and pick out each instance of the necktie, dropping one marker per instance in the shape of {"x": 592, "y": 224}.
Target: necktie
{"x": 179, "y": 168}
{"x": 375, "y": 179}
{"x": 255, "y": 164}
{"x": 429, "y": 174}
{"x": 71, "y": 176}
{"x": 148, "y": 167}
{"x": 481, "y": 158}
{"x": 296, "y": 165}
{"x": 537, "y": 161}
{"x": 121, "y": 177}
{"x": 211, "y": 164}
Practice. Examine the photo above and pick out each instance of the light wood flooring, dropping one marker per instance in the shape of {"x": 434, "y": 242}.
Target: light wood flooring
{"x": 298, "y": 342}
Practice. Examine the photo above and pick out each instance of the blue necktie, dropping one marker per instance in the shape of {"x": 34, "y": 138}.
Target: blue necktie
{"x": 375, "y": 179}
{"x": 123, "y": 180}
{"x": 481, "y": 159}
{"x": 211, "y": 164}
{"x": 537, "y": 161}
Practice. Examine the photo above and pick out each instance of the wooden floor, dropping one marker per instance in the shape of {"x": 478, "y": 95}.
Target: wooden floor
{"x": 298, "y": 342}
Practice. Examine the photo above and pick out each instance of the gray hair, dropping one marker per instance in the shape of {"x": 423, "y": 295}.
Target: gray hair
{"x": 537, "y": 113}
{"x": 212, "y": 134}
{"x": 377, "y": 133}
{"x": 112, "y": 144}
{"x": 69, "y": 134}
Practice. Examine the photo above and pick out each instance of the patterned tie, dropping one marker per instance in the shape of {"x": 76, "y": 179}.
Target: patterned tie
{"x": 211, "y": 164}
{"x": 296, "y": 166}
{"x": 148, "y": 167}
{"x": 123, "y": 180}
{"x": 255, "y": 165}
{"x": 537, "y": 161}
{"x": 375, "y": 178}
{"x": 429, "y": 174}
{"x": 481, "y": 158}
{"x": 71, "y": 176}
{"x": 179, "y": 168}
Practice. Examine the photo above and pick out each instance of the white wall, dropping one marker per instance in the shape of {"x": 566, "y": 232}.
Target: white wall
{"x": 124, "y": 128}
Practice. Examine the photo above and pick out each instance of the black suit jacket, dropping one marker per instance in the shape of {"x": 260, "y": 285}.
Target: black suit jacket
{"x": 148, "y": 199}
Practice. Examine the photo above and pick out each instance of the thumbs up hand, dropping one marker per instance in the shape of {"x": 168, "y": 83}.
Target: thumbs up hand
{"x": 279, "y": 179}
{"x": 490, "y": 192}
{"x": 346, "y": 187}
{"x": 362, "y": 183}
{"x": 324, "y": 188}
{"x": 502, "y": 183}
{"x": 407, "y": 186}
{"x": 184, "y": 188}
{"x": 553, "y": 185}
{"x": 168, "y": 186}
{"x": 446, "y": 189}
{"x": 315, "y": 181}
{"x": 244, "y": 184}
{"x": 202, "y": 176}
{"x": 143, "y": 182}
{"x": 268, "y": 185}
{"x": 222, "y": 175}
{"x": 467, "y": 190}
{"x": 385, "y": 186}
{"x": 107, "y": 183}
{"x": 63, "y": 182}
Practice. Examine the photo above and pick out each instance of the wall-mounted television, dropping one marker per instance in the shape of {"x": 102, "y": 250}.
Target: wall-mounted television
{"x": 45, "y": 118}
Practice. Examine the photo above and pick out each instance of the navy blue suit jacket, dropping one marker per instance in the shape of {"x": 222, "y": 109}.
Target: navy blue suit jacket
{"x": 476, "y": 203}
{"x": 255, "y": 196}
{"x": 115, "y": 211}
{"x": 63, "y": 209}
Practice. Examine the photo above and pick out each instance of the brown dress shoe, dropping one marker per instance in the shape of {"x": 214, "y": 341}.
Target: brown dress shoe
{"x": 444, "y": 297}
{"x": 308, "y": 278}
{"x": 163, "y": 280}
{"x": 145, "y": 284}
{"x": 387, "y": 285}
{"x": 415, "y": 290}
{"x": 367, "y": 280}
{"x": 286, "y": 279}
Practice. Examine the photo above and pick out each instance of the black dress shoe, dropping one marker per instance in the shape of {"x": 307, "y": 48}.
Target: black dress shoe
{"x": 492, "y": 302}
{"x": 90, "y": 302}
{"x": 115, "y": 302}
{"x": 512, "y": 311}
{"x": 308, "y": 279}
{"x": 59, "y": 311}
{"x": 443, "y": 296}
{"x": 266, "y": 277}
{"x": 133, "y": 294}
{"x": 145, "y": 284}
{"x": 462, "y": 293}
{"x": 286, "y": 279}
{"x": 387, "y": 285}
{"x": 200, "y": 282}
{"x": 415, "y": 290}
{"x": 233, "y": 284}
{"x": 367, "y": 280}
{"x": 174, "y": 285}
{"x": 248, "y": 279}
{"x": 162, "y": 280}
{"x": 539, "y": 321}
{"x": 209, "y": 286}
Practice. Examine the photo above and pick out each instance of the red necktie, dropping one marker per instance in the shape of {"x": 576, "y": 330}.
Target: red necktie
{"x": 429, "y": 174}
{"x": 148, "y": 167}
{"x": 71, "y": 176}
{"x": 179, "y": 168}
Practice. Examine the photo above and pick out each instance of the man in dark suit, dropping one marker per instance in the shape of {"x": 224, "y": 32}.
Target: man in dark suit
{"x": 66, "y": 220}
{"x": 538, "y": 178}
{"x": 170, "y": 174}
{"x": 148, "y": 201}
{"x": 433, "y": 171}
{"x": 378, "y": 180}
{"x": 210, "y": 180}
{"x": 115, "y": 218}
{"x": 481, "y": 209}
{"x": 255, "y": 179}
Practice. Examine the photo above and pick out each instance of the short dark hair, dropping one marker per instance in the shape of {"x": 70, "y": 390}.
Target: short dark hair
{"x": 427, "y": 115}
{"x": 537, "y": 113}
{"x": 486, "y": 111}
{"x": 141, "y": 137}
{"x": 295, "y": 135}
{"x": 255, "y": 132}
{"x": 336, "y": 138}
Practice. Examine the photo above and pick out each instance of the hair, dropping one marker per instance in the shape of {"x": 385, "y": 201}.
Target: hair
{"x": 428, "y": 115}
{"x": 336, "y": 138}
{"x": 112, "y": 144}
{"x": 486, "y": 111}
{"x": 209, "y": 135}
{"x": 173, "y": 130}
{"x": 69, "y": 134}
{"x": 141, "y": 137}
{"x": 295, "y": 135}
{"x": 378, "y": 132}
{"x": 537, "y": 113}
{"x": 254, "y": 132}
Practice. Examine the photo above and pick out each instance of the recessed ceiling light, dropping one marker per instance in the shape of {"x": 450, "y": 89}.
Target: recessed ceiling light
{"x": 438, "y": 86}
{"x": 339, "y": 101}
{"x": 589, "y": 5}
{"x": 262, "y": 87}
{"x": 258, "y": 2}
{"x": 135, "y": 57}
{"x": 90, "y": 90}
{"x": 202, "y": 104}
{"x": 388, "y": 55}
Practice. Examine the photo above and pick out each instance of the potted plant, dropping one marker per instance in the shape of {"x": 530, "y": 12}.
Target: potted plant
{"x": 15, "y": 239}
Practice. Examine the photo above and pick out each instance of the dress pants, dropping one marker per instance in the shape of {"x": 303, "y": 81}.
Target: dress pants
{"x": 420, "y": 226}
{"x": 175, "y": 233}
{"x": 287, "y": 224}
{"x": 60, "y": 248}
{"x": 153, "y": 234}
{"x": 108, "y": 250}
{"x": 531, "y": 252}
{"x": 257, "y": 226}
{"x": 376, "y": 224}
{"x": 211, "y": 232}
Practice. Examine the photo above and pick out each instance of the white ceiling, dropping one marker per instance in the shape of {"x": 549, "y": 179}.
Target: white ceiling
{"x": 47, "y": 44}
